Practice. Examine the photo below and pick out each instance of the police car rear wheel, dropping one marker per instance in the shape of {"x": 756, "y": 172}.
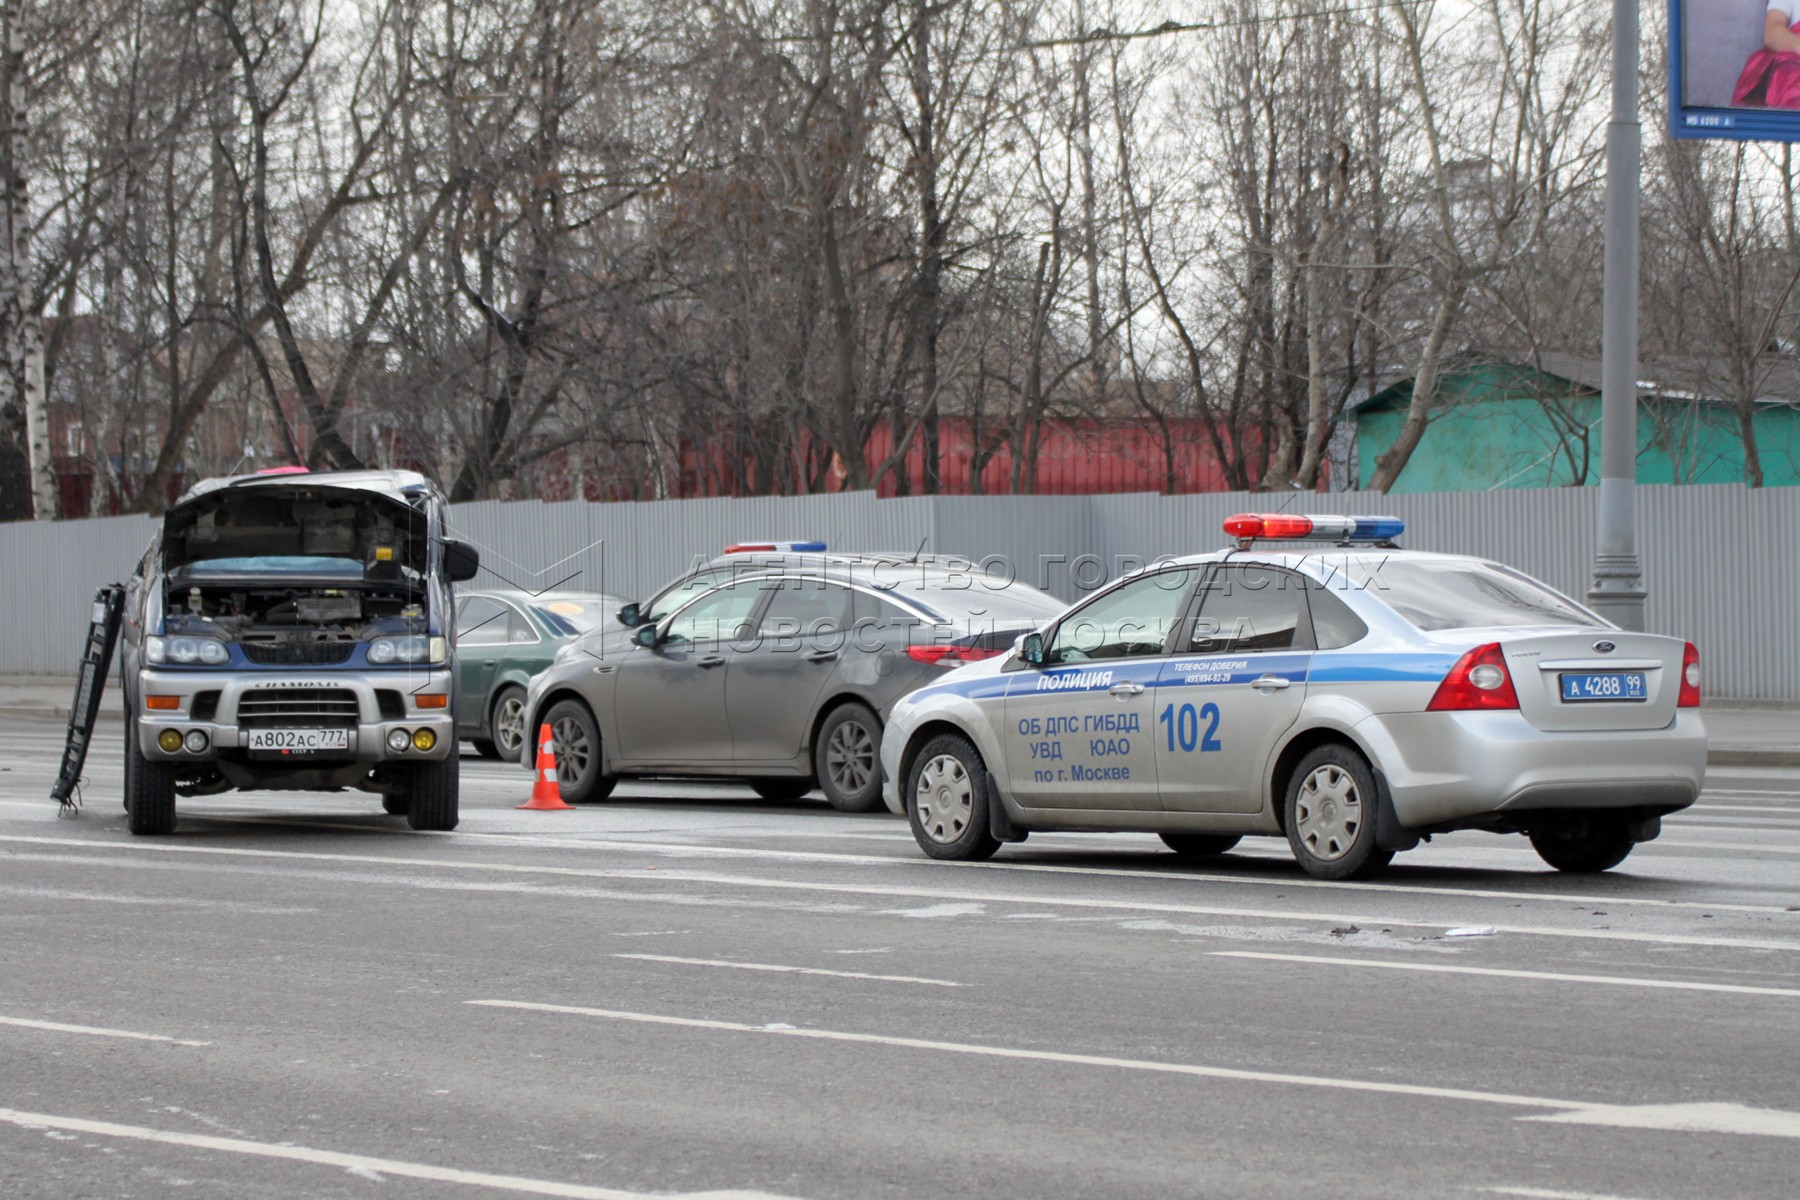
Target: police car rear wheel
{"x": 1331, "y": 815}
{"x": 1199, "y": 845}
{"x": 947, "y": 800}
{"x": 1602, "y": 846}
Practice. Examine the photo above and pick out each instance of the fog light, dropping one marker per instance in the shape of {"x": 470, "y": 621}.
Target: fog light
{"x": 169, "y": 740}
{"x": 398, "y": 740}
{"x": 424, "y": 739}
{"x": 196, "y": 741}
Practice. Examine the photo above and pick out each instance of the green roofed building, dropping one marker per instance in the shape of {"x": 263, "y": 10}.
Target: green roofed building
{"x": 1507, "y": 421}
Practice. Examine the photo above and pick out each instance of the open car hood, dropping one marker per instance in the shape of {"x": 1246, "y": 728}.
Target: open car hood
{"x": 367, "y": 516}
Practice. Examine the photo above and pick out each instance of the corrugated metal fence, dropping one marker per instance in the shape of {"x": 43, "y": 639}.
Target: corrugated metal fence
{"x": 1719, "y": 561}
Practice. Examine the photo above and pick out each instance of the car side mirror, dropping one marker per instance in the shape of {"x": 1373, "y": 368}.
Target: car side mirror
{"x": 646, "y": 636}
{"x": 461, "y": 561}
{"x": 631, "y": 616}
{"x": 1031, "y": 649}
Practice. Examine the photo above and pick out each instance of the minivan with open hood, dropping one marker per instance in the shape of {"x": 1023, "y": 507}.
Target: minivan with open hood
{"x": 292, "y": 630}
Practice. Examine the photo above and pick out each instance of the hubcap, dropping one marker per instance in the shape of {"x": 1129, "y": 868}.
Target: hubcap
{"x": 944, "y": 798}
{"x": 850, "y": 757}
{"x": 1328, "y": 813}
{"x": 509, "y": 725}
{"x": 570, "y": 742}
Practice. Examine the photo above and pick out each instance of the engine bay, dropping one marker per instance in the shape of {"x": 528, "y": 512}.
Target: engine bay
{"x": 292, "y": 615}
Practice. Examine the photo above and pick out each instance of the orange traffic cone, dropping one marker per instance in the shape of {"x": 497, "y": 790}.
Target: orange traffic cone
{"x": 545, "y": 794}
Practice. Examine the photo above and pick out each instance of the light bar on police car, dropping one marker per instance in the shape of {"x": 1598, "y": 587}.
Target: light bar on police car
{"x": 1282, "y": 527}
{"x": 776, "y": 548}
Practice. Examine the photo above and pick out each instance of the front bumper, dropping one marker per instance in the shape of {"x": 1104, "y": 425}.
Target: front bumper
{"x": 368, "y": 705}
{"x": 1465, "y": 768}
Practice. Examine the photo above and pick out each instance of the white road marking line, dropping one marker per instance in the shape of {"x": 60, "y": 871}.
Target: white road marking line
{"x": 1713, "y": 1118}
{"x": 703, "y": 851}
{"x": 1767, "y": 810}
{"x": 1531, "y": 1193}
{"x": 352, "y": 1162}
{"x": 744, "y": 966}
{"x": 1501, "y": 973}
{"x": 94, "y": 1031}
{"x": 1737, "y": 846}
{"x": 935, "y": 894}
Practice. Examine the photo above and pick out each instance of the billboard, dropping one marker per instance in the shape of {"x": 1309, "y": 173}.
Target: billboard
{"x": 1734, "y": 69}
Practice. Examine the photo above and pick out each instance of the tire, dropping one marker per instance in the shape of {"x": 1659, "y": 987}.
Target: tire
{"x": 506, "y": 735}
{"x": 431, "y": 795}
{"x": 1330, "y": 815}
{"x": 1199, "y": 845}
{"x": 781, "y": 789}
{"x": 395, "y": 804}
{"x": 149, "y": 788}
{"x": 847, "y": 758}
{"x": 576, "y": 738}
{"x": 1601, "y": 847}
{"x": 946, "y": 800}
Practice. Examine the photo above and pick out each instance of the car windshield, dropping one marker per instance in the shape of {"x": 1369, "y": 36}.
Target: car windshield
{"x": 272, "y": 564}
{"x": 1434, "y": 594}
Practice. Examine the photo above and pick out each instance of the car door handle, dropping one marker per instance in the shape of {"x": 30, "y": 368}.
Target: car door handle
{"x": 1271, "y": 681}
{"x": 713, "y": 660}
{"x": 823, "y": 656}
{"x": 488, "y": 662}
{"x": 1122, "y": 690}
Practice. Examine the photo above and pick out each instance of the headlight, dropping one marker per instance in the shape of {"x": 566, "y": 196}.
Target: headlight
{"x": 185, "y": 650}
{"x": 414, "y": 649}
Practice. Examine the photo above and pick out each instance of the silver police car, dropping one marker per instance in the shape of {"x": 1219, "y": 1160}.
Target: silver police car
{"x": 1354, "y": 697}
{"x": 773, "y": 665}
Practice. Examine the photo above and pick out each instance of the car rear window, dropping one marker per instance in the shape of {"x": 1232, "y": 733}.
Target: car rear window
{"x": 967, "y": 597}
{"x": 1433, "y": 594}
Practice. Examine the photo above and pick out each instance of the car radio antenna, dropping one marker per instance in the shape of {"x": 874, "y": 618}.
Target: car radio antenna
{"x": 920, "y": 548}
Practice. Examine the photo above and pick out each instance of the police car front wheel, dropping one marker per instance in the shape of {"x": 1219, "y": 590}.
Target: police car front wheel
{"x": 1330, "y": 815}
{"x": 947, "y": 800}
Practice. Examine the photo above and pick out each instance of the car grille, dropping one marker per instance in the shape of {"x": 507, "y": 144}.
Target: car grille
{"x": 298, "y": 654}
{"x": 299, "y": 706}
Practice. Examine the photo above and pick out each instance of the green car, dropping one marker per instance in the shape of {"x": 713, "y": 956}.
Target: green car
{"x": 503, "y": 638}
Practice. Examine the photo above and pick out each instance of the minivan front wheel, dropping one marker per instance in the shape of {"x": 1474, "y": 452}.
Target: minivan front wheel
{"x": 149, "y": 788}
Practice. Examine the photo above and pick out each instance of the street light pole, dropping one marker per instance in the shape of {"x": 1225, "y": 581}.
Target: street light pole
{"x": 1618, "y": 590}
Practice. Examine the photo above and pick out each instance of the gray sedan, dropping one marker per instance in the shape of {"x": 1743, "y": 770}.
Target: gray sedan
{"x": 778, "y": 674}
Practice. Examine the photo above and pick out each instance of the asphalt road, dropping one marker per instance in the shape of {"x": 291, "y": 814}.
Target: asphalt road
{"x": 687, "y": 990}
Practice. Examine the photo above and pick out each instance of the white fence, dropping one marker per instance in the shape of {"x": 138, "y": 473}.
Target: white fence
{"x": 1719, "y": 561}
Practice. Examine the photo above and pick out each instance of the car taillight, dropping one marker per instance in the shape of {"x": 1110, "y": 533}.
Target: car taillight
{"x": 949, "y": 656}
{"x": 1479, "y": 680}
{"x": 1689, "y": 696}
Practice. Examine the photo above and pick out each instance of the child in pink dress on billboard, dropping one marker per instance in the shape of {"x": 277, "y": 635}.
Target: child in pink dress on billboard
{"x": 1771, "y": 77}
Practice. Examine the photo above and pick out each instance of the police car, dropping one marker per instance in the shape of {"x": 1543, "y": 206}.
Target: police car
{"x": 1345, "y": 693}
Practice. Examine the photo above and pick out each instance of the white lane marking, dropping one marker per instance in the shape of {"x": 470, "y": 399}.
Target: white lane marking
{"x": 744, "y": 966}
{"x": 1765, "y": 809}
{"x": 1501, "y": 973}
{"x": 931, "y": 893}
{"x": 351, "y": 1162}
{"x": 1360, "y": 887}
{"x": 1737, "y": 846}
{"x": 1682, "y": 1118}
{"x": 95, "y": 1031}
{"x": 1531, "y": 1193}
{"x": 1711, "y": 1118}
